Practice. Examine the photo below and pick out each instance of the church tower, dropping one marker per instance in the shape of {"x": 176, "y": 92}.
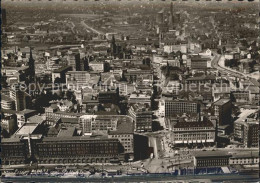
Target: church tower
{"x": 113, "y": 47}
{"x": 31, "y": 64}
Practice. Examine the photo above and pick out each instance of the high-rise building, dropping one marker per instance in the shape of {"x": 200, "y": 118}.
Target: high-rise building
{"x": 246, "y": 132}
{"x": 74, "y": 61}
{"x": 251, "y": 134}
{"x": 142, "y": 117}
{"x": 19, "y": 99}
{"x": 223, "y": 110}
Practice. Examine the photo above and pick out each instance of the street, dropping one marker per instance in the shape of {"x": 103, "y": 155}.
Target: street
{"x": 90, "y": 28}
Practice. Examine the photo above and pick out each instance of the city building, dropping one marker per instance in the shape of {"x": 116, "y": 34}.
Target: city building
{"x": 13, "y": 151}
{"x": 246, "y": 128}
{"x": 22, "y": 116}
{"x": 207, "y": 159}
{"x": 199, "y": 62}
{"x": 97, "y": 66}
{"x": 125, "y": 134}
{"x": 241, "y": 96}
{"x": 139, "y": 98}
{"x": 7, "y": 102}
{"x": 92, "y": 123}
{"x": 134, "y": 75}
{"x": 22, "y": 99}
{"x": 193, "y": 133}
{"x": 222, "y": 110}
{"x": 168, "y": 107}
{"x": 249, "y": 158}
{"x": 77, "y": 79}
{"x": 111, "y": 96}
{"x": 209, "y": 79}
{"x": 61, "y": 74}
{"x": 73, "y": 60}
{"x": 78, "y": 149}
{"x": 142, "y": 117}
{"x": 9, "y": 123}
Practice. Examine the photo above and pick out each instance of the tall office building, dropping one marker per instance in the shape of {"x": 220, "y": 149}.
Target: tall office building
{"x": 19, "y": 98}
{"x": 223, "y": 110}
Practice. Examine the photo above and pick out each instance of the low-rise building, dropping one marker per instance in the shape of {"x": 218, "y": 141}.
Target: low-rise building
{"x": 199, "y": 62}
{"x": 248, "y": 158}
{"x": 207, "y": 159}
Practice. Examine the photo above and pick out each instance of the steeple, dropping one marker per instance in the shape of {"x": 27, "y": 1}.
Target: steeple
{"x": 113, "y": 46}
{"x": 31, "y": 67}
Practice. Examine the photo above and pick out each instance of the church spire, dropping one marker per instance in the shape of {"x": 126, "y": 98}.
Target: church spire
{"x": 31, "y": 67}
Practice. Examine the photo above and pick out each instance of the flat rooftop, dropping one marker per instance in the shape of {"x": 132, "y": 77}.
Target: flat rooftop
{"x": 28, "y": 128}
{"x": 66, "y": 132}
{"x": 205, "y": 154}
{"x": 221, "y": 101}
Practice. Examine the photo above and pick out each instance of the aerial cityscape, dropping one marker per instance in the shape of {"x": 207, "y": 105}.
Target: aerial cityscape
{"x": 127, "y": 89}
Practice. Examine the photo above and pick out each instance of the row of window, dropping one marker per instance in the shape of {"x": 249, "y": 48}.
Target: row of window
{"x": 194, "y": 128}
{"x": 121, "y": 135}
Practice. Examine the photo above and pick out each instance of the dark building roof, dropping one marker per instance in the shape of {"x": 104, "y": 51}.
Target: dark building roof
{"x": 205, "y": 154}
{"x": 221, "y": 101}
{"x": 69, "y": 120}
{"x": 199, "y": 58}
{"x": 184, "y": 124}
{"x": 78, "y": 139}
{"x": 252, "y": 154}
{"x": 26, "y": 111}
{"x": 62, "y": 69}
{"x": 203, "y": 77}
{"x": 67, "y": 132}
{"x": 123, "y": 128}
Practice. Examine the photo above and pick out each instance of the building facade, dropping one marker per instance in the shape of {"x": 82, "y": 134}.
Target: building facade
{"x": 211, "y": 159}
{"x": 142, "y": 118}
{"x": 223, "y": 110}
{"x": 193, "y": 133}
{"x": 169, "y": 107}
{"x": 54, "y": 150}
